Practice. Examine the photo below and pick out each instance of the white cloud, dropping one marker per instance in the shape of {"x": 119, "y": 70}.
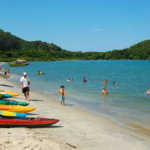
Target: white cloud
{"x": 97, "y": 29}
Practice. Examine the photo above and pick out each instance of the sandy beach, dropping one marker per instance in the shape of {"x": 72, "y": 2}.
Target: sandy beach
{"x": 77, "y": 129}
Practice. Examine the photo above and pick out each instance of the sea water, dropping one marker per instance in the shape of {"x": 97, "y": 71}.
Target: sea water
{"x": 125, "y": 102}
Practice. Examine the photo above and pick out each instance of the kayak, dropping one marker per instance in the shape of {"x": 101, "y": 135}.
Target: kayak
{"x": 12, "y": 102}
{"x": 13, "y": 114}
{"x": 10, "y": 93}
{"x": 21, "y": 109}
{"x": 3, "y": 95}
{"x": 26, "y": 122}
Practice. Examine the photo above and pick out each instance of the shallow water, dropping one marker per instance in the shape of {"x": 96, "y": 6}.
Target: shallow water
{"x": 125, "y": 102}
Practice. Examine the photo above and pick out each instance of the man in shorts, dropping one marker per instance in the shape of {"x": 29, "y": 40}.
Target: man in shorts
{"x": 25, "y": 83}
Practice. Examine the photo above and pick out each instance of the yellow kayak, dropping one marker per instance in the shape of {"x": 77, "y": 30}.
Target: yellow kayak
{"x": 12, "y": 114}
{"x": 18, "y": 108}
{"x": 10, "y": 93}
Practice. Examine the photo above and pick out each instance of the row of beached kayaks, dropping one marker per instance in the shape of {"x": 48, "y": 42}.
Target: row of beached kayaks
{"x": 13, "y": 113}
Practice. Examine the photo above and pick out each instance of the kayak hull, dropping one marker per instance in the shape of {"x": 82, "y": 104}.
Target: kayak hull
{"x": 20, "y": 109}
{"x": 12, "y": 102}
{"x": 26, "y": 122}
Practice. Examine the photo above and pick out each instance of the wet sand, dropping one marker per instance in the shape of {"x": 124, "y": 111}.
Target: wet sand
{"x": 77, "y": 129}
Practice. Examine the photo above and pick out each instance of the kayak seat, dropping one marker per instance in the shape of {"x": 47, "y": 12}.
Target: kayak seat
{"x": 37, "y": 118}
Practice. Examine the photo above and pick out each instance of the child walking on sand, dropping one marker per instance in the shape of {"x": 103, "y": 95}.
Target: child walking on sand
{"x": 61, "y": 94}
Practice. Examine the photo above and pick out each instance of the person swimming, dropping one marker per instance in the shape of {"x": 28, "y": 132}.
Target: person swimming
{"x": 72, "y": 79}
{"x": 38, "y": 72}
{"x": 105, "y": 81}
{"x": 84, "y": 79}
{"x": 114, "y": 83}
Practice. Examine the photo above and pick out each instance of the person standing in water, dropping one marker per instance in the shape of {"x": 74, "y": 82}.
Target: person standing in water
{"x": 114, "y": 83}
{"x": 5, "y": 72}
{"x": 25, "y": 83}
{"x": 104, "y": 91}
{"x": 68, "y": 79}
{"x": 8, "y": 71}
{"x": 61, "y": 94}
{"x": 84, "y": 79}
{"x": 148, "y": 91}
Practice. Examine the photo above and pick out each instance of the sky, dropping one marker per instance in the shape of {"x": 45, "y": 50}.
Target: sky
{"x": 78, "y": 25}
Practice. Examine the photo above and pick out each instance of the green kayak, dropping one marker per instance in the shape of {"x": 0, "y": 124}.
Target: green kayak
{"x": 12, "y": 102}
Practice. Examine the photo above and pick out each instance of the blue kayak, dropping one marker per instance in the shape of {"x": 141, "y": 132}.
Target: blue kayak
{"x": 5, "y": 95}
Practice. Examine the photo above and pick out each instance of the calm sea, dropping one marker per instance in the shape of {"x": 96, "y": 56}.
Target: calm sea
{"x": 125, "y": 102}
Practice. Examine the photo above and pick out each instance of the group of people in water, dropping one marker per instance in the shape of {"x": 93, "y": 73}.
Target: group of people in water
{"x": 40, "y": 73}
{"x": 104, "y": 90}
{"x": 84, "y": 80}
{"x": 69, "y": 79}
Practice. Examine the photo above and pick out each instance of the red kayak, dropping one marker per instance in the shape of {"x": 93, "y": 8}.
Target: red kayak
{"x": 26, "y": 122}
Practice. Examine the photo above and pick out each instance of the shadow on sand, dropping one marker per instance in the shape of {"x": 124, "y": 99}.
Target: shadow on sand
{"x": 35, "y": 100}
{"x": 48, "y": 127}
{"x": 32, "y": 114}
{"x": 6, "y": 85}
{"x": 53, "y": 126}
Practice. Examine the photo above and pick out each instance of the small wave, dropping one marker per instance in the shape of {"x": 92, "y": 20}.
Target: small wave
{"x": 48, "y": 92}
{"x": 14, "y": 77}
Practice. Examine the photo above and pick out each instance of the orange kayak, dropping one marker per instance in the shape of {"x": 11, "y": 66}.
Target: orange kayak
{"x": 18, "y": 108}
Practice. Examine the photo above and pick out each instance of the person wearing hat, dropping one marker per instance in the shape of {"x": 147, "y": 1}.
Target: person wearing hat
{"x": 25, "y": 83}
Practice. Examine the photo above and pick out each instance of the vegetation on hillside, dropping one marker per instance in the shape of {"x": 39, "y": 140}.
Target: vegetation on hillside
{"x": 12, "y": 47}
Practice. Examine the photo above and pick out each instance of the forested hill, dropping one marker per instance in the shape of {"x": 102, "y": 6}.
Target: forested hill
{"x": 12, "y": 47}
{"x": 11, "y": 42}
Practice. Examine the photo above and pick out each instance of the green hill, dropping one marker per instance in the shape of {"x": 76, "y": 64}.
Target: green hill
{"x": 13, "y": 47}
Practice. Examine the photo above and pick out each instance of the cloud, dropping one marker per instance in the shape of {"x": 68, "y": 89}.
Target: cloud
{"x": 97, "y": 29}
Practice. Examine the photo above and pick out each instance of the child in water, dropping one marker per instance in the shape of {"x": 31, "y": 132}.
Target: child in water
{"x": 61, "y": 94}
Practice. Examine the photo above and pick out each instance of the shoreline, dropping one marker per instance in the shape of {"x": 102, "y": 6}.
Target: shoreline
{"x": 76, "y": 127}
{"x": 2, "y": 63}
{"x": 123, "y": 123}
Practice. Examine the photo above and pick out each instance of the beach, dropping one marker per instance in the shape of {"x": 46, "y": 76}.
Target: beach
{"x": 77, "y": 129}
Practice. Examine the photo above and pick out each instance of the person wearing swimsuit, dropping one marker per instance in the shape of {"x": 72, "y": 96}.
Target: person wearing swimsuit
{"x": 61, "y": 94}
